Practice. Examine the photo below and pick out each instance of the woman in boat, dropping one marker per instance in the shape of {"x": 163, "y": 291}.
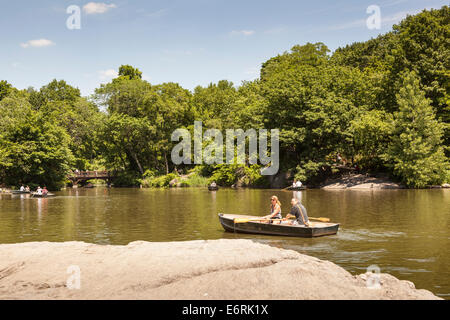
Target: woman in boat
{"x": 275, "y": 210}
{"x": 44, "y": 191}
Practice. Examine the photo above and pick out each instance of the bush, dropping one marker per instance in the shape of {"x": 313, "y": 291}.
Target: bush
{"x": 158, "y": 182}
{"x": 126, "y": 179}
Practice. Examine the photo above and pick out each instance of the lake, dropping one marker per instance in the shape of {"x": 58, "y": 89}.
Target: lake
{"x": 403, "y": 232}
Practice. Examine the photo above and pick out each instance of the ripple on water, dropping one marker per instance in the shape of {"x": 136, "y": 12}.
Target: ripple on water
{"x": 368, "y": 235}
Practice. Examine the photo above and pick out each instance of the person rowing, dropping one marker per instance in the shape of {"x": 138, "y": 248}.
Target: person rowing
{"x": 39, "y": 191}
{"x": 299, "y": 212}
{"x": 275, "y": 210}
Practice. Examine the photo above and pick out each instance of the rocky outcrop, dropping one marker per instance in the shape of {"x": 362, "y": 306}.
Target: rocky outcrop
{"x": 361, "y": 181}
{"x": 219, "y": 269}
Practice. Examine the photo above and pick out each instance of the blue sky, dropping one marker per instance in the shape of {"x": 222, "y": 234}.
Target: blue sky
{"x": 192, "y": 42}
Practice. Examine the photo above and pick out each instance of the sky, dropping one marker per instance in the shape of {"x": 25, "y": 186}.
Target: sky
{"x": 192, "y": 42}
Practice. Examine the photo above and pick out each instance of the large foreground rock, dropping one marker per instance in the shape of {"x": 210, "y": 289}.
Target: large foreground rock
{"x": 220, "y": 269}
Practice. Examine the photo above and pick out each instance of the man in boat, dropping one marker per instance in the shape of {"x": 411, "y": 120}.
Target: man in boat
{"x": 298, "y": 212}
{"x": 27, "y": 189}
{"x": 44, "y": 191}
{"x": 39, "y": 191}
{"x": 22, "y": 188}
{"x": 213, "y": 184}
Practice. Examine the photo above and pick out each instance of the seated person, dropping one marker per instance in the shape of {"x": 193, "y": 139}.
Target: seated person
{"x": 39, "y": 191}
{"x": 299, "y": 212}
{"x": 275, "y": 210}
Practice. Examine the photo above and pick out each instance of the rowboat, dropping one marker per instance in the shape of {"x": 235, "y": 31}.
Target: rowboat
{"x": 213, "y": 188}
{"x": 35, "y": 195}
{"x": 296, "y": 188}
{"x": 316, "y": 229}
{"x": 19, "y": 192}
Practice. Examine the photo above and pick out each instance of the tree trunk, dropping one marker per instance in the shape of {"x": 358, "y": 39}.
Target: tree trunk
{"x": 137, "y": 162}
{"x": 167, "y": 163}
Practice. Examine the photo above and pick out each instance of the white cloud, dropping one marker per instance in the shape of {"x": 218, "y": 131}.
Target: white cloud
{"x": 107, "y": 74}
{"x": 98, "y": 7}
{"x": 39, "y": 43}
{"x": 242, "y": 33}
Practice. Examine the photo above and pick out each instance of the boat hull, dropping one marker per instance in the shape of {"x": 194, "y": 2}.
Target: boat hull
{"x": 213, "y": 188}
{"x": 318, "y": 229}
{"x": 43, "y": 196}
{"x": 20, "y": 192}
{"x": 296, "y": 188}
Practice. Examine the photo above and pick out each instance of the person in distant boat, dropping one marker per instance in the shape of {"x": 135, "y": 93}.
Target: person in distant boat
{"x": 275, "y": 210}
{"x": 299, "y": 212}
{"x": 298, "y": 184}
{"x": 22, "y": 188}
{"x": 27, "y": 189}
{"x": 214, "y": 184}
{"x": 39, "y": 191}
{"x": 44, "y": 191}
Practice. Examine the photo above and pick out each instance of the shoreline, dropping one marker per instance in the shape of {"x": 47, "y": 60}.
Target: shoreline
{"x": 193, "y": 270}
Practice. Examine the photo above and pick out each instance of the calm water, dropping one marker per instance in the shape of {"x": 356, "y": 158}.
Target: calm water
{"x": 404, "y": 232}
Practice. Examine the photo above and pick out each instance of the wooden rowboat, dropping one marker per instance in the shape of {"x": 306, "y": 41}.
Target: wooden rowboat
{"x": 296, "y": 188}
{"x": 35, "y": 195}
{"x": 317, "y": 229}
{"x": 20, "y": 192}
{"x": 211, "y": 188}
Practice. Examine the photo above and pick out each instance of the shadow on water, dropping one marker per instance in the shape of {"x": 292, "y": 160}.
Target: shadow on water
{"x": 404, "y": 232}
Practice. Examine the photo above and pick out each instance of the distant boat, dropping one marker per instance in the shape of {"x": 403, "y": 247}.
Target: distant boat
{"x": 35, "y": 195}
{"x": 20, "y": 192}
{"x": 296, "y": 188}
{"x": 213, "y": 188}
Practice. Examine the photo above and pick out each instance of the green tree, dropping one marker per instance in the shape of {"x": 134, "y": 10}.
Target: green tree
{"x": 5, "y": 88}
{"x": 130, "y": 72}
{"x": 415, "y": 153}
{"x": 33, "y": 148}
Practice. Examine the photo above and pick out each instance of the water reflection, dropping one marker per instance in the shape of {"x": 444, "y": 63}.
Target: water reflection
{"x": 404, "y": 232}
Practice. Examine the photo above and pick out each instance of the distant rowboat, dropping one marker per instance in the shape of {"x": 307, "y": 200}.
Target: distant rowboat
{"x": 20, "y": 192}
{"x": 296, "y": 188}
{"x": 316, "y": 229}
{"x": 35, "y": 195}
{"x": 213, "y": 188}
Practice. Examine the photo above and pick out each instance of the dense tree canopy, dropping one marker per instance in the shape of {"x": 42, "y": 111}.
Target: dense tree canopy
{"x": 382, "y": 104}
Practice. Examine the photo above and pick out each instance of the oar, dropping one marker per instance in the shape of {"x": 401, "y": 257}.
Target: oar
{"x": 243, "y": 220}
{"x": 320, "y": 219}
